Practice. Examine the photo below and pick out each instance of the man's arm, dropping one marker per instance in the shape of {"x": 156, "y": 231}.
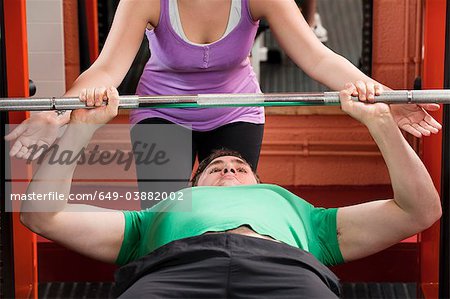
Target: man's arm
{"x": 92, "y": 231}
{"x": 370, "y": 227}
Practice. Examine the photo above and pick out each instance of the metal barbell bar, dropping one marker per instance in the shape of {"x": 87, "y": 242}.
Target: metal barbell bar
{"x": 226, "y": 100}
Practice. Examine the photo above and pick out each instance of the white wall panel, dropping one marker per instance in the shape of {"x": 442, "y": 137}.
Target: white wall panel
{"x": 46, "y": 46}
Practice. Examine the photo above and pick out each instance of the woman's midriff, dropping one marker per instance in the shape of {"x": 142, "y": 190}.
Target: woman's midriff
{"x": 246, "y": 231}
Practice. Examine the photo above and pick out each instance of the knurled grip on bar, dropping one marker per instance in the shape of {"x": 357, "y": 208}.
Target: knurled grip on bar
{"x": 126, "y": 102}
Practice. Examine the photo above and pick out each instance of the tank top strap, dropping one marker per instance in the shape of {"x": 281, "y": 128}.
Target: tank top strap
{"x": 164, "y": 17}
{"x": 245, "y": 6}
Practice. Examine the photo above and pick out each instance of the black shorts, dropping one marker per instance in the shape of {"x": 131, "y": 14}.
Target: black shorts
{"x": 226, "y": 265}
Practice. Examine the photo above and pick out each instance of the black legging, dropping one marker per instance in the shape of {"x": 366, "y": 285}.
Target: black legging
{"x": 243, "y": 137}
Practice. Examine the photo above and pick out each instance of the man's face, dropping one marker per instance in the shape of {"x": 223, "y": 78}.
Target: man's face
{"x": 227, "y": 171}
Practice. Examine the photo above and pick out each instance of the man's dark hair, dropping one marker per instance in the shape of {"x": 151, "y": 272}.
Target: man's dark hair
{"x": 214, "y": 155}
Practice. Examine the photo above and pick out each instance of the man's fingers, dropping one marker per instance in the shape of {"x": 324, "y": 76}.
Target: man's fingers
{"x": 422, "y": 130}
{"x": 432, "y": 122}
{"x": 15, "y": 148}
{"x": 22, "y": 152}
{"x": 410, "y": 129}
{"x": 16, "y": 132}
{"x": 426, "y": 126}
{"x": 430, "y": 107}
{"x": 36, "y": 151}
{"x": 28, "y": 154}
{"x": 25, "y": 144}
{"x": 33, "y": 153}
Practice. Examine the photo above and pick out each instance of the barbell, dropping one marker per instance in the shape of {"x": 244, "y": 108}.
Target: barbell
{"x": 226, "y": 100}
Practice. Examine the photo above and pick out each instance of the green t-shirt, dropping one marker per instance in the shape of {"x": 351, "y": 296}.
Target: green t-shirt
{"x": 268, "y": 209}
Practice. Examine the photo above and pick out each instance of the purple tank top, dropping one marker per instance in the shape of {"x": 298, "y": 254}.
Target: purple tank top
{"x": 179, "y": 68}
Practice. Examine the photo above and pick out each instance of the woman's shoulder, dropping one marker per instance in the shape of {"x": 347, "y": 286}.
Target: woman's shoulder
{"x": 149, "y": 9}
{"x": 154, "y": 8}
{"x": 260, "y": 9}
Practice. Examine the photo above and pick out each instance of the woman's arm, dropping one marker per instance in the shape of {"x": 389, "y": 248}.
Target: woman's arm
{"x": 301, "y": 45}
{"x": 116, "y": 57}
{"x": 319, "y": 62}
{"x": 122, "y": 44}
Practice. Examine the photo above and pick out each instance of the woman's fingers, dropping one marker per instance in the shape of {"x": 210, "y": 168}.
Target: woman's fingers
{"x": 93, "y": 96}
{"x": 99, "y": 96}
{"x": 361, "y": 89}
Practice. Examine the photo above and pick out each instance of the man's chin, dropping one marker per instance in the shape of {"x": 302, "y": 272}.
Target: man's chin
{"x": 228, "y": 183}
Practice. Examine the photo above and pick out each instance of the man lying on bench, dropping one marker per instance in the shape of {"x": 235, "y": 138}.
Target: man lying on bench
{"x": 241, "y": 238}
